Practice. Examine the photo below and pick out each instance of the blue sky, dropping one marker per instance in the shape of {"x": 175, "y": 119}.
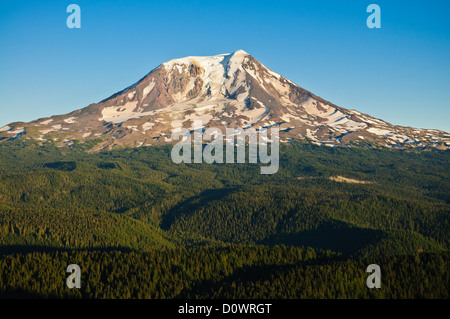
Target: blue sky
{"x": 400, "y": 73}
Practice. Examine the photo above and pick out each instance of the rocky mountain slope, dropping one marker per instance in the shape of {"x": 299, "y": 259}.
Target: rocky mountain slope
{"x": 227, "y": 90}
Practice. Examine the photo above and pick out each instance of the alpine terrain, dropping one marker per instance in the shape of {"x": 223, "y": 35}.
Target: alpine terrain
{"x": 227, "y": 90}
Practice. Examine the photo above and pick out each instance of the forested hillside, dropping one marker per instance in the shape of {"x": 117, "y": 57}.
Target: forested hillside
{"x": 232, "y": 272}
{"x": 183, "y": 222}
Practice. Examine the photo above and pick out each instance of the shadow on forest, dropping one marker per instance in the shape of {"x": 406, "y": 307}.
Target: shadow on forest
{"x": 250, "y": 274}
{"x": 192, "y": 204}
{"x": 336, "y": 236}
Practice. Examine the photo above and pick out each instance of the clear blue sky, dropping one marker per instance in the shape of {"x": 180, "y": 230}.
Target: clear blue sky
{"x": 400, "y": 73}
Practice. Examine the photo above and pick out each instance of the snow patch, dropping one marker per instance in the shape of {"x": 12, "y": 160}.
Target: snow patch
{"x": 47, "y": 131}
{"x": 132, "y": 127}
{"x": 17, "y": 130}
{"x": 5, "y": 128}
{"x": 70, "y": 120}
{"x": 118, "y": 114}
{"x": 147, "y": 126}
{"x": 148, "y": 89}
{"x": 46, "y": 122}
{"x": 378, "y": 131}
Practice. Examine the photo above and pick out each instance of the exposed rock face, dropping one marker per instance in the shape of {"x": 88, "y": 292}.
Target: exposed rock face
{"x": 228, "y": 90}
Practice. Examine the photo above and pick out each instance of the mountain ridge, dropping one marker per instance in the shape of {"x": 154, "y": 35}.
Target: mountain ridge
{"x": 226, "y": 90}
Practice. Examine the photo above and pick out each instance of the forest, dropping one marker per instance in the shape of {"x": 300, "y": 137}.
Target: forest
{"x": 141, "y": 226}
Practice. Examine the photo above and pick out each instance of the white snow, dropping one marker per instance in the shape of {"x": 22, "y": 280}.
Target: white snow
{"x": 215, "y": 68}
{"x": 257, "y": 78}
{"x": 242, "y": 96}
{"x": 47, "y": 131}
{"x": 148, "y": 89}
{"x": 273, "y": 73}
{"x": 17, "y": 130}
{"x": 132, "y": 127}
{"x": 70, "y": 120}
{"x": 335, "y": 118}
{"x": 287, "y": 117}
{"x": 255, "y": 115}
{"x": 5, "y": 128}
{"x": 310, "y": 106}
{"x": 46, "y": 122}
{"x": 235, "y": 62}
{"x": 179, "y": 68}
{"x": 373, "y": 121}
{"x": 118, "y": 114}
{"x": 310, "y": 135}
{"x": 378, "y": 131}
{"x": 147, "y": 126}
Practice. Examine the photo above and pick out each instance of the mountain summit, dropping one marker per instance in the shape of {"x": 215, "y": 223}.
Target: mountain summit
{"x": 226, "y": 90}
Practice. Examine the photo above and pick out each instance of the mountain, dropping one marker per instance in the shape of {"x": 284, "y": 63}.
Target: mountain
{"x": 141, "y": 226}
{"x": 227, "y": 90}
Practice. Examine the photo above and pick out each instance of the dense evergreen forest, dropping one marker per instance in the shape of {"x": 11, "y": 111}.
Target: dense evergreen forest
{"x": 229, "y": 272}
{"x": 141, "y": 226}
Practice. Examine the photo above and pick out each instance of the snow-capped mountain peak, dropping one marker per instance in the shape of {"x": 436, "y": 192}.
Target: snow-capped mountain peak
{"x": 226, "y": 90}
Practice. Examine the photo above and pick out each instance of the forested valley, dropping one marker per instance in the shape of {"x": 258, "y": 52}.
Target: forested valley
{"x": 141, "y": 226}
